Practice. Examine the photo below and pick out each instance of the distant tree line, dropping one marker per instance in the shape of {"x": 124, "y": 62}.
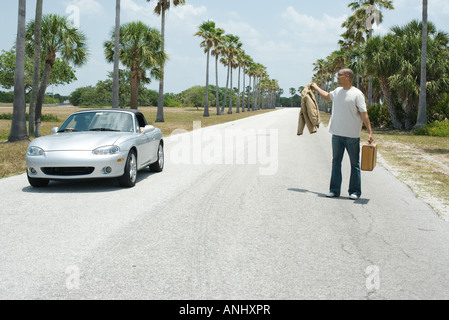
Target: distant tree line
{"x": 8, "y": 97}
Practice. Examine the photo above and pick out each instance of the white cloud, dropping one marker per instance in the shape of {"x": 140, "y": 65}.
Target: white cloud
{"x": 146, "y": 10}
{"x": 188, "y": 12}
{"x": 248, "y": 35}
{"x": 310, "y": 30}
{"x": 136, "y": 12}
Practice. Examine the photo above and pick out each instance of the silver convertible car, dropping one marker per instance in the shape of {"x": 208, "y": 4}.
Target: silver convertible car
{"x": 91, "y": 144}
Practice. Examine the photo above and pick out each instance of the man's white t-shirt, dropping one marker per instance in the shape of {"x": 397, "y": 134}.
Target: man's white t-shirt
{"x": 346, "y": 120}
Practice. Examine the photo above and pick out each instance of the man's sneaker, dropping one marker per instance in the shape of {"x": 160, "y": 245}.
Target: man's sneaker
{"x": 331, "y": 195}
{"x": 354, "y": 197}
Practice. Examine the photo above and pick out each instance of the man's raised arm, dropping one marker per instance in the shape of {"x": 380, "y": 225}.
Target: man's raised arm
{"x": 322, "y": 93}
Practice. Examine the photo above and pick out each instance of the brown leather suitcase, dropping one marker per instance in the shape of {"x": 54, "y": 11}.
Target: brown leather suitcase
{"x": 369, "y": 157}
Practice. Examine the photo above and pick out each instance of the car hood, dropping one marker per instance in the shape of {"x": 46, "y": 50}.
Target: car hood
{"x": 79, "y": 141}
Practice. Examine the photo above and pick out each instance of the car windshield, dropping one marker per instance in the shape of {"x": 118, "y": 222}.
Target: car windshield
{"x": 99, "y": 121}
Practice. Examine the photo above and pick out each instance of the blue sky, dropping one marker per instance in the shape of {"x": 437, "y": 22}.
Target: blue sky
{"x": 286, "y": 36}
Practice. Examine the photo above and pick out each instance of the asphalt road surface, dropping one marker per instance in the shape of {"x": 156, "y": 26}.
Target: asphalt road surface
{"x": 229, "y": 218}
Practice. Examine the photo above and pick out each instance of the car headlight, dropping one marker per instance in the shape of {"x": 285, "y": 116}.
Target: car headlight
{"x": 35, "y": 152}
{"x": 105, "y": 151}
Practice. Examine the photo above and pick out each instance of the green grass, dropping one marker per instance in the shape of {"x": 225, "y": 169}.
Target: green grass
{"x": 435, "y": 129}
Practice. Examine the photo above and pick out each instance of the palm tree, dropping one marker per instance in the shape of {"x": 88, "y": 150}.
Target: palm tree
{"x": 58, "y": 38}
{"x": 207, "y": 32}
{"x": 261, "y": 73}
{"x": 18, "y": 125}
{"x": 406, "y": 81}
{"x": 234, "y": 65}
{"x": 422, "y": 108}
{"x": 37, "y": 65}
{"x": 229, "y": 49}
{"x": 241, "y": 63}
{"x": 273, "y": 87}
{"x": 361, "y": 10}
{"x": 393, "y": 59}
{"x": 280, "y": 93}
{"x": 225, "y": 61}
{"x": 140, "y": 51}
{"x": 216, "y": 52}
{"x": 336, "y": 62}
{"x": 161, "y": 9}
{"x": 234, "y": 50}
{"x": 250, "y": 72}
{"x": 115, "y": 78}
{"x": 382, "y": 61}
{"x": 292, "y": 93}
{"x": 320, "y": 75}
{"x": 245, "y": 60}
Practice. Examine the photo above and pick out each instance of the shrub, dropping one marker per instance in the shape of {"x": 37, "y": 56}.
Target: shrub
{"x": 45, "y": 117}
{"x": 440, "y": 111}
{"x": 435, "y": 129}
{"x": 379, "y": 116}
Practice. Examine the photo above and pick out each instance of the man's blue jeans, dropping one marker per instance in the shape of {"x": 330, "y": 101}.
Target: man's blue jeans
{"x": 352, "y": 145}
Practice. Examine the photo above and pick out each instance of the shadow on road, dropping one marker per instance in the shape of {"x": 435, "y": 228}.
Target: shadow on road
{"x": 322, "y": 195}
{"x": 85, "y": 186}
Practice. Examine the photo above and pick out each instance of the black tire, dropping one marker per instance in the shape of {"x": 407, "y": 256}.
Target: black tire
{"x": 38, "y": 183}
{"x": 129, "y": 178}
{"x": 158, "y": 166}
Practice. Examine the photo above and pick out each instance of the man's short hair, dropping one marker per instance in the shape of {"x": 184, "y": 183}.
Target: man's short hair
{"x": 348, "y": 72}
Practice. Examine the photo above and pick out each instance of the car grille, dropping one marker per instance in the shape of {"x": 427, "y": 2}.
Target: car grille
{"x": 68, "y": 171}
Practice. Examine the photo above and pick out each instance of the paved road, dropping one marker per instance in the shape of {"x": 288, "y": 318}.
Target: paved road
{"x": 258, "y": 227}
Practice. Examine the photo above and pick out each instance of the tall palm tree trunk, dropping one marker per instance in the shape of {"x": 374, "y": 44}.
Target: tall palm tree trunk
{"x": 422, "y": 108}
{"x": 253, "y": 105}
{"x": 18, "y": 125}
{"x": 37, "y": 65}
{"x": 226, "y": 91}
{"x": 370, "y": 78}
{"x": 217, "y": 97}
{"x": 115, "y": 80}
{"x": 238, "y": 94}
{"x": 44, "y": 84}
{"x": 244, "y": 93}
{"x": 134, "y": 89}
{"x": 231, "y": 94}
{"x": 160, "y": 104}
{"x": 389, "y": 100}
{"x": 249, "y": 94}
{"x": 206, "y": 103}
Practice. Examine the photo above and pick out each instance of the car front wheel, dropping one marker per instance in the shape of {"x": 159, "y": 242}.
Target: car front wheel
{"x": 158, "y": 166}
{"x": 129, "y": 178}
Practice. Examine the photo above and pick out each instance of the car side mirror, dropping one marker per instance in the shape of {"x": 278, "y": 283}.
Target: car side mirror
{"x": 55, "y": 130}
{"x": 148, "y": 129}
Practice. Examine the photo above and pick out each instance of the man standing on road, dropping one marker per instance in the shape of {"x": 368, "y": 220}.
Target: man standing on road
{"x": 349, "y": 113}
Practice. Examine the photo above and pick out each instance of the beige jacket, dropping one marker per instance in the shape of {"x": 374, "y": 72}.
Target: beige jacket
{"x": 309, "y": 114}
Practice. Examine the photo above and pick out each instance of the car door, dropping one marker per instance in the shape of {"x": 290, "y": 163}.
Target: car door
{"x": 142, "y": 145}
{"x": 154, "y": 144}
{"x": 146, "y": 139}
